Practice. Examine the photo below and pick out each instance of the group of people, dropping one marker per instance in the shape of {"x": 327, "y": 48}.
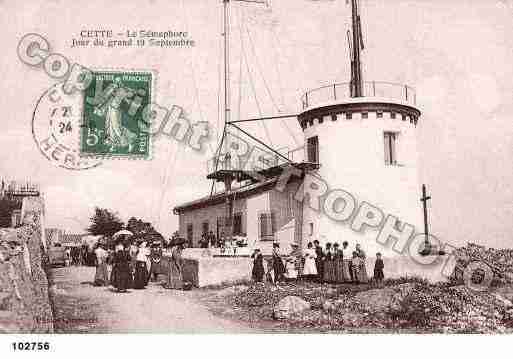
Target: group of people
{"x": 132, "y": 265}
{"x": 331, "y": 264}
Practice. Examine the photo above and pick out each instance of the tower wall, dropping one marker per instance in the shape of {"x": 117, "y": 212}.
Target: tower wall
{"x": 352, "y": 158}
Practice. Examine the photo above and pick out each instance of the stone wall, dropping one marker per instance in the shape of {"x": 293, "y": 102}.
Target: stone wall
{"x": 24, "y": 299}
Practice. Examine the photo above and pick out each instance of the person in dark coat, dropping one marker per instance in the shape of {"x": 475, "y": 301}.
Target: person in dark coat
{"x": 121, "y": 275}
{"x": 278, "y": 266}
{"x": 319, "y": 260}
{"x": 378, "y": 269}
{"x": 257, "y": 274}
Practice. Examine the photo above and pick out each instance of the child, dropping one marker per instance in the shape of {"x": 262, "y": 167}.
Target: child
{"x": 378, "y": 269}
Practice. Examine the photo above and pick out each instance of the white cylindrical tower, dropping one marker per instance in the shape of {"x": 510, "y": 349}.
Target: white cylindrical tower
{"x": 367, "y": 147}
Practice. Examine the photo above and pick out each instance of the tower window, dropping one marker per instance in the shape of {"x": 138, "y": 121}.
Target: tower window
{"x": 390, "y": 147}
{"x": 312, "y": 148}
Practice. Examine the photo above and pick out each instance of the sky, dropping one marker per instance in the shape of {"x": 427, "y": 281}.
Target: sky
{"x": 456, "y": 53}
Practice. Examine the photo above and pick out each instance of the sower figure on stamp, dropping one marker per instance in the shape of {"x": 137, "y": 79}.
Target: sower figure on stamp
{"x": 116, "y": 134}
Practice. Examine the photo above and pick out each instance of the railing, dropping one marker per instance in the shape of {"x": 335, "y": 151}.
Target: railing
{"x": 339, "y": 91}
{"x": 267, "y": 159}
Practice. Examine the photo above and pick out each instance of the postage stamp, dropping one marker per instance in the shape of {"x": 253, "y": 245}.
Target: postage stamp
{"x": 113, "y": 113}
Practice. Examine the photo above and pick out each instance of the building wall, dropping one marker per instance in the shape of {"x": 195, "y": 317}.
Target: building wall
{"x": 286, "y": 208}
{"x": 208, "y": 214}
{"x": 352, "y": 158}
{"x": 251, "y": 207}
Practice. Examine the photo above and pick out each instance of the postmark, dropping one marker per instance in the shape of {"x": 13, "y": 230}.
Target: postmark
{"x": 56, "y": 125}
{"x": 113, "y": 115}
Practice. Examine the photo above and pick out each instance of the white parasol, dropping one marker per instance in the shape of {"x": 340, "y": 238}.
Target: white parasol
{"x": 121, "y": 233}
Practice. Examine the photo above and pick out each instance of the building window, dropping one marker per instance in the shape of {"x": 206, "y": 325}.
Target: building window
{"x": 379, "y": 114}
{"x": 392, "y": 115}
{"x": 311, "y": 229}
{"x": 267, "y": 226}
{"x": 237, "y": 224}
{"x": 390, "y": 146}
{"x": 204, "y": 227}
{"x": 365, "y": 115}
{"x": 321, "y": 120}
{"x": 349, "y": 115}
{"x": 291, "y": 204}
{"x": 189, "y": 235}
{"x": 312, "y": 146}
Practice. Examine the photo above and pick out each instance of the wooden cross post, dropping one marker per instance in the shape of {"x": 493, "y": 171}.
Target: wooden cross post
{"x": 424, "y": 200}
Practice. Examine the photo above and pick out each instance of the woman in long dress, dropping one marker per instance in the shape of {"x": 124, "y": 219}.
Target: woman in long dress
{"x": 346, "y": 262}
{"x": 101, "y": 277}
{"x": 356, "y": 267}
{"x": 141, "y": 268}
{"x": 329, "y": 264}
{"x": 364, "y": 278}
{"x": 310, "y": 268}
{"x": 338, "y": 263}
{"x": 121, "y": 270}
{"x": 175, "y": 277}
{"x": 257, "y": 274}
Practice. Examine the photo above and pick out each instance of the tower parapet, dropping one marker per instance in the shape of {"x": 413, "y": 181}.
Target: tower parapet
{"x": 333, "y": 102}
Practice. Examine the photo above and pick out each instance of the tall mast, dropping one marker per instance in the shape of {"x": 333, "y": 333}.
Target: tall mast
{"x": 226, "y": 34}
{"x": 356, "y": 67}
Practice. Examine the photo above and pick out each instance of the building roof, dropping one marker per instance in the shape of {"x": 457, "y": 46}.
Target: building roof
{"x": 218, "y": 198}
{"x": 272, "y": 175}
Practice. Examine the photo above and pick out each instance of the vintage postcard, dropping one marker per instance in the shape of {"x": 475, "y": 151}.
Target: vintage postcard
{"x": 256, "y": 166}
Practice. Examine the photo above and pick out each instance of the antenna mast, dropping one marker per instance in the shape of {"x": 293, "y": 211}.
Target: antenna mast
{"x": 357, "y": 45}
{"x": 226, "y": 34}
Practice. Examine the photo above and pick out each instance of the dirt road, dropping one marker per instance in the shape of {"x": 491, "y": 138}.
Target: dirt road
{"x": 81, "y": 307}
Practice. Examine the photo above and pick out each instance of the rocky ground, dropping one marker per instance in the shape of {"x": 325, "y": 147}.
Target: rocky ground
{"x": 408, "y": 305}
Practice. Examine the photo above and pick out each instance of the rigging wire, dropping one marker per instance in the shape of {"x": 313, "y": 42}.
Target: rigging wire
{"x": 243, "y": 50}
{"x": 266, "y": 85}
{"x": 280, "y": 83}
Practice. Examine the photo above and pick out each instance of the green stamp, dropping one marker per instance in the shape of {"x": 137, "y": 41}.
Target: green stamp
{"x": 113, "y": 124}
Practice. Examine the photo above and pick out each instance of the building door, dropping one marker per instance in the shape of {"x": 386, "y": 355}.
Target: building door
{"x": 190, "y": 234}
